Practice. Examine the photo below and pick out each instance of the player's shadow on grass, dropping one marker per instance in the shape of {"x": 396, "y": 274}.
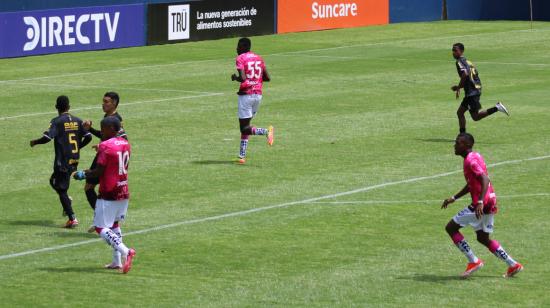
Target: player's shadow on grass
{"x": 214, "y": 162}
{"x": 80, "y": 269}
{"x": 36, "y": 222}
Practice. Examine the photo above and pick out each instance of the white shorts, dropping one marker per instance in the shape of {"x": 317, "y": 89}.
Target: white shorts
{"x": 468, "y": 217}
{"x": 107, "y": 212}
{"x": 248, "y": 105}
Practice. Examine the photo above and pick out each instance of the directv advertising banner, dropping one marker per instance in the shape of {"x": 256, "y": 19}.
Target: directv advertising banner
{"x": 209, "y": 19}
{"x": 74, "y": 29}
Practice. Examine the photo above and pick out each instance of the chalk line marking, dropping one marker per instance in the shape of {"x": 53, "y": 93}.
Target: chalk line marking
{"x": 264, "y": 208}
{"x": 160, "y": 100}
{"x": 272, "y": 54}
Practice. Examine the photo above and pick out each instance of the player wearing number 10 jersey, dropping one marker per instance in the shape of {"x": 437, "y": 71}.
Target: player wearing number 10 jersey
{"x": 69, "y": 137}
{"x": 113, "y": 156}
{"x": 251, "y": 75}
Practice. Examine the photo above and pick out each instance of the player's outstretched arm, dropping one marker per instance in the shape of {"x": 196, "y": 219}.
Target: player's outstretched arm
{"x": 452, "y": 199}
{"x": 88, "y": 174}
{"x": 42, "y": 140}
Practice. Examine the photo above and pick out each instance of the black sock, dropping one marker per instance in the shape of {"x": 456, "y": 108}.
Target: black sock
{"x": 492, "y": 110}
{"x": 462, "y": 130}
{"x": 91, "y": 195}
{"x": 66, "y": 203}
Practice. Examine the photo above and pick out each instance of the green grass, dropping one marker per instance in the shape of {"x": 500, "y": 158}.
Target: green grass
{"x": 352, "y": 108}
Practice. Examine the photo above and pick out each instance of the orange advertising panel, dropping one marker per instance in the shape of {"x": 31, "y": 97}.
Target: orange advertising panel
{"x": 309, "y": 15}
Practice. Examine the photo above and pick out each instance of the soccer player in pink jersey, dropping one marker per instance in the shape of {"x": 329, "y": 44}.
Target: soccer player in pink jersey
{"x": 251, "y": 73}
{"x": 480, "y": 214}
{"x": 113, "y": 156}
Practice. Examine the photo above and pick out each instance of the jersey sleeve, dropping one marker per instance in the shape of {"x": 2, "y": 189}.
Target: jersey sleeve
{"x": 52, "y": 130}
{"x": 102, "y": 154}
{"x": 462, "y": 67}
{"x": 476, "y": 168}
{"x": 239, "y": 63}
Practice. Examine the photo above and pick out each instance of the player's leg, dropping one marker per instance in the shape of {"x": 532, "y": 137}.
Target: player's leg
{"x": 122, "y": 209}
{"x": 104, "y": 218}
{"x": 461, "y": 219}
{"x": 483, "y": 236}
{"x": 461, "y": 118}
{"x": 475, "y": 109}
{"x": 89, "y": 187}
{"x": 246, "y": 130}
{"x": 116, "y": 263}
{"x": 60, "y": 183}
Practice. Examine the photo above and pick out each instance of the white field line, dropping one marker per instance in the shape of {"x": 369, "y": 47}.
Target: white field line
{"x": 403, "y": 59}
{"x": 261, "y": 209}
{"x": 421, "y": 201}
{"x": 76, "y": 86}
{"x": 273, "y": 54}
{"x": 121, "y": 104}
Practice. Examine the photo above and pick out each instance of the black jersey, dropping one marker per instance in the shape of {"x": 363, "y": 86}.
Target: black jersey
{"x": 121, "y": 132}
{"x": 67, "y": 132}
{"x": 472, "y": 86}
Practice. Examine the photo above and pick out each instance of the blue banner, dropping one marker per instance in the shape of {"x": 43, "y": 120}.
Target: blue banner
{"x": 74, "y": 29}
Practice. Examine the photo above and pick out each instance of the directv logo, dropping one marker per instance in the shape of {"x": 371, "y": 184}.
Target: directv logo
{"x": 67, "y": 30}
{"x": 178, "y": 22}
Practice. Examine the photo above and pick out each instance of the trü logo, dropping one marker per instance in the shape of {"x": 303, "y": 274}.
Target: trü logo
{"x": 69, "y": 29}
{"x": 178, "y": 22}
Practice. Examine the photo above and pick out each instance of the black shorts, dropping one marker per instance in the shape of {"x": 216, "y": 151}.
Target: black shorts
{"x": 93, "y": 181}
{"x": 61, "y": 179}
{"x": 471, "y": 103}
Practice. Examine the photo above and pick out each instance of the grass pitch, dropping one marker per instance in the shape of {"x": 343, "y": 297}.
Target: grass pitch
{"x": 357, "y": 110}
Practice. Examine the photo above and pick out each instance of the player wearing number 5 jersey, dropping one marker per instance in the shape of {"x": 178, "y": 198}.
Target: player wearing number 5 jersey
{"x": 69, "y": 137}
{"x": 251, "y": 75}
{"x": 113, "y": 156}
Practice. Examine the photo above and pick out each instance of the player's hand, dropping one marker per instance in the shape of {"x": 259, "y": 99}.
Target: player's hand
{"x": 95, "y": 147}
{"x": 446, "y": 202}
{"x": 454, "y": 88}
{"x": 234, "y": 77}
{"x": 87, "y": 124}
{"x": 32, "y": 144}
{"x": 79, "y": 175}
{"x": 479, "y": 210}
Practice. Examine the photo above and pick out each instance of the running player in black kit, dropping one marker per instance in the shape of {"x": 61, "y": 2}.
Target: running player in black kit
{"x": 69, "y": 137}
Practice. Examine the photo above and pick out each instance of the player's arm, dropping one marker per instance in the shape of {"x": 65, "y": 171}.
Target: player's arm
{"x": 459, "y": 195}
{"x": 43, "y": 140}
{"x": 89, "y": 174}
{"x": 85, "y": 140}
{"x": 239, "y": 76}
{"x": 484, "y": 179}
{"x": 265, "y": 76}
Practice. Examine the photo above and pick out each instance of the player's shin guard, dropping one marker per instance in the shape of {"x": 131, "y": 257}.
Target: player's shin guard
{"x": 91, "y": 196}
{"x": 114, "y": 240}
{"x": 244, "y": 146}
{"x": 66, "y": 203}
{"x": 463, "y": 246}
{"x": 259, "y": 131}
{"x": 499, "y": 252}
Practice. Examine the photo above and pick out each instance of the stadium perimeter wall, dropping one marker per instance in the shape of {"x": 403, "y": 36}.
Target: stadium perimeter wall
{"x": 34, "y": 27}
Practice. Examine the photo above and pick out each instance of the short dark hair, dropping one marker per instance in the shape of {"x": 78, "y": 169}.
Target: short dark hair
{"x": 459, "y": 46}
{"x": 62, "y": 103}
{"x": 111, "y": 121}
{"x": 469, "y": 138}
{"x": 245, "y": 43}
{"x": 114, "y": 96}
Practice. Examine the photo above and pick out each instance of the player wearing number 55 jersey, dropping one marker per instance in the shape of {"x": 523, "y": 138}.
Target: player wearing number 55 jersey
{"x": 480, "y": 213}
{"x": 251, "y": 75}
{"x": 113, "y": 156}
{"x": 69, "y": 137}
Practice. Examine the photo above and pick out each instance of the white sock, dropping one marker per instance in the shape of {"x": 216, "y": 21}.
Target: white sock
{"x": 467, "y": 251}
{"x": 242, "y": 150}
{"x": 116, "y": 254}
{"x": 503, "y": 255}
{"x": 114, "y": 240}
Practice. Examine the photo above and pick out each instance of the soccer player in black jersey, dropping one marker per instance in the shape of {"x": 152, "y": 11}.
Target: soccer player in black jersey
{"x": 469, "y": 80}
{"x": 109, "y": 105}
{"x": 69, "y": 137}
